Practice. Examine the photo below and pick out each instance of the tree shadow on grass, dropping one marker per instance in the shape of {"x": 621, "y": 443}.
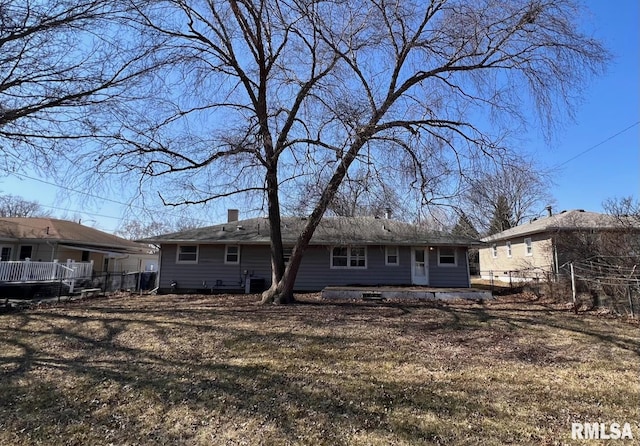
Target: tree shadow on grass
{"x": 216, "y": 374}
{"x": 102, "y": 381}
{"x": 598, "y": 330}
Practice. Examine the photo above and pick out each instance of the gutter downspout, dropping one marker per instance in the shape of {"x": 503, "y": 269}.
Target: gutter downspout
{"x": 54, "y": 247}
{"x": 466, "y": 254}
{"x": 120, "y": 258}
{"x": 555, "y": 258}
{"x": 157, "y": 284}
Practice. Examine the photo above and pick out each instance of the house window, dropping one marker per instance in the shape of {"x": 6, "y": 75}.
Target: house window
{"x": 508, "y": 244}
{"x": 447, "y": 256}
{"x": 5, "y": 254}
{"x": 494, "y": 250}
{"x": 349, "y": 257}
{"x": 85, "y": 256}
{"x": 232, "y": 254}
{"x": 358, "y": 257}
{"x": 187, "y": 254}
{"x": 391, "y": 256}
{"x": 286, "y": 253}
{"x": 528, "y": 247}
{"x": 25, "y": 252}
{"x": 339, "y": 257}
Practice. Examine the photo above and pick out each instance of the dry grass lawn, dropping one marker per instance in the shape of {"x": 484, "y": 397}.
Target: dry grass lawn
{"x": 216, "y": 370}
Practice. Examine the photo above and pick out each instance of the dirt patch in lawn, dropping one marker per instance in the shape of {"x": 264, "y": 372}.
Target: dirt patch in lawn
{"x": 201, "y": 370}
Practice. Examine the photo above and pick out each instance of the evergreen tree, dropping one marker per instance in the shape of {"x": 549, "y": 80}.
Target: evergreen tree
{"x": 465, "y": 228}
{"x": 502, "y": 217}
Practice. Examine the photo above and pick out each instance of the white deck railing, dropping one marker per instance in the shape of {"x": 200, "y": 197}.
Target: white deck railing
{"x": 29, "y": 271}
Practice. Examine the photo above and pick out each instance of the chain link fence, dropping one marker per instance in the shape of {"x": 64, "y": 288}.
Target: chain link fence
{"x": 595, "y": 284}
{"x": 132, "y": 281}
{"x": 540, "y": 281}
{"x": 100, "y": 282}
{"x": 600, "y": 284}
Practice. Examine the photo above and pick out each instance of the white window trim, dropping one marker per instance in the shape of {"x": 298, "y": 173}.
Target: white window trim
{"x": 187, "y": 261}
{"x": 348, "y": 266}
{"x": 509, "y": 251}
{"x": 226, "y": 255}
{"x": 455, "y": 257}
{"x": 30, "y": 257}
{"x": 331, "y": 257}
{"x": 528, "y": 248}
{"x": 494, "y": 251}
{"x": 387, "y": 253}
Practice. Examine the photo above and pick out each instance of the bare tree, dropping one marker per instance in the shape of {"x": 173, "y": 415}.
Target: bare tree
{"x": 617, "y": 244}
{"x": 625, "y": 209}
{"x": 514, "y": 192}
{"x": 360, "y": 194}
{"x": 137, "y": 230}
{"x": 264, "y": 93}
{"x": 14, "y": 206}
{"x": 606, "y": 256}
{"x": 61, "y": 61}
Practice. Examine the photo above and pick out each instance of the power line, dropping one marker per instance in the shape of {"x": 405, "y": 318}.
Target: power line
{"x": 88, "y": 194}
{"x": 67, "y": 188}
{"x": 142, "y": 208}
{"x": 92, "y": 214}
{"x": 597, "y": 145}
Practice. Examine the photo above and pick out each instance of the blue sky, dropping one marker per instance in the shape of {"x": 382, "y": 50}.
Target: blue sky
{"x": 595, "y": 157}
{"x": 611, "y": 105}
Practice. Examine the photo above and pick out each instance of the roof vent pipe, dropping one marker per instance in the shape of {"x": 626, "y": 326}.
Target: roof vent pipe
{"x": 549, "y": 211}
{"x": 232, "y": 215}
{"x": 387, "y": 213}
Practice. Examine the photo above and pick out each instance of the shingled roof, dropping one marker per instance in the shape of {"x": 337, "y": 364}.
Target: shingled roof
{"x": 564, "y": 221}
{"x": 63, "y": 232}
{"x": 331, "y": 231}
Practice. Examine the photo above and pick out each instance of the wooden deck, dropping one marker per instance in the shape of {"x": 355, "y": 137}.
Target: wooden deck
{"x": 414, "y": 292}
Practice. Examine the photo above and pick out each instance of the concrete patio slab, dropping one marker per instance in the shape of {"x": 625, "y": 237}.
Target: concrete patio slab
{"x": 383, "y": 293}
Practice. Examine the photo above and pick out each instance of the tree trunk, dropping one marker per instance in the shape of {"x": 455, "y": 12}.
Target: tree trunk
{"x": 275, "y": 233}
{"x": 281, "y": 292}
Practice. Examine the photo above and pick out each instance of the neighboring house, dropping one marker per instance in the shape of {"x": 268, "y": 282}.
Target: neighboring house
{"x": 49, "y": 240}
{"x": 343, "y": 251}
{"x": 537, "y": 250}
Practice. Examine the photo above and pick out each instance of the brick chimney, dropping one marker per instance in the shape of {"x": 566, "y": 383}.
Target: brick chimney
{"x": 232, "y": 215}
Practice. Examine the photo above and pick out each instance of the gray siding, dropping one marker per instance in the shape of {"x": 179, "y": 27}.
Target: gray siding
{"x": 315, "y": 272}
{"x": 449, "y": 276}
{"x": 211, "y": 271}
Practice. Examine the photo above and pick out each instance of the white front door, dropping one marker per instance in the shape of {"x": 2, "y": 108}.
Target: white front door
{"x": 419, "y": 266}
